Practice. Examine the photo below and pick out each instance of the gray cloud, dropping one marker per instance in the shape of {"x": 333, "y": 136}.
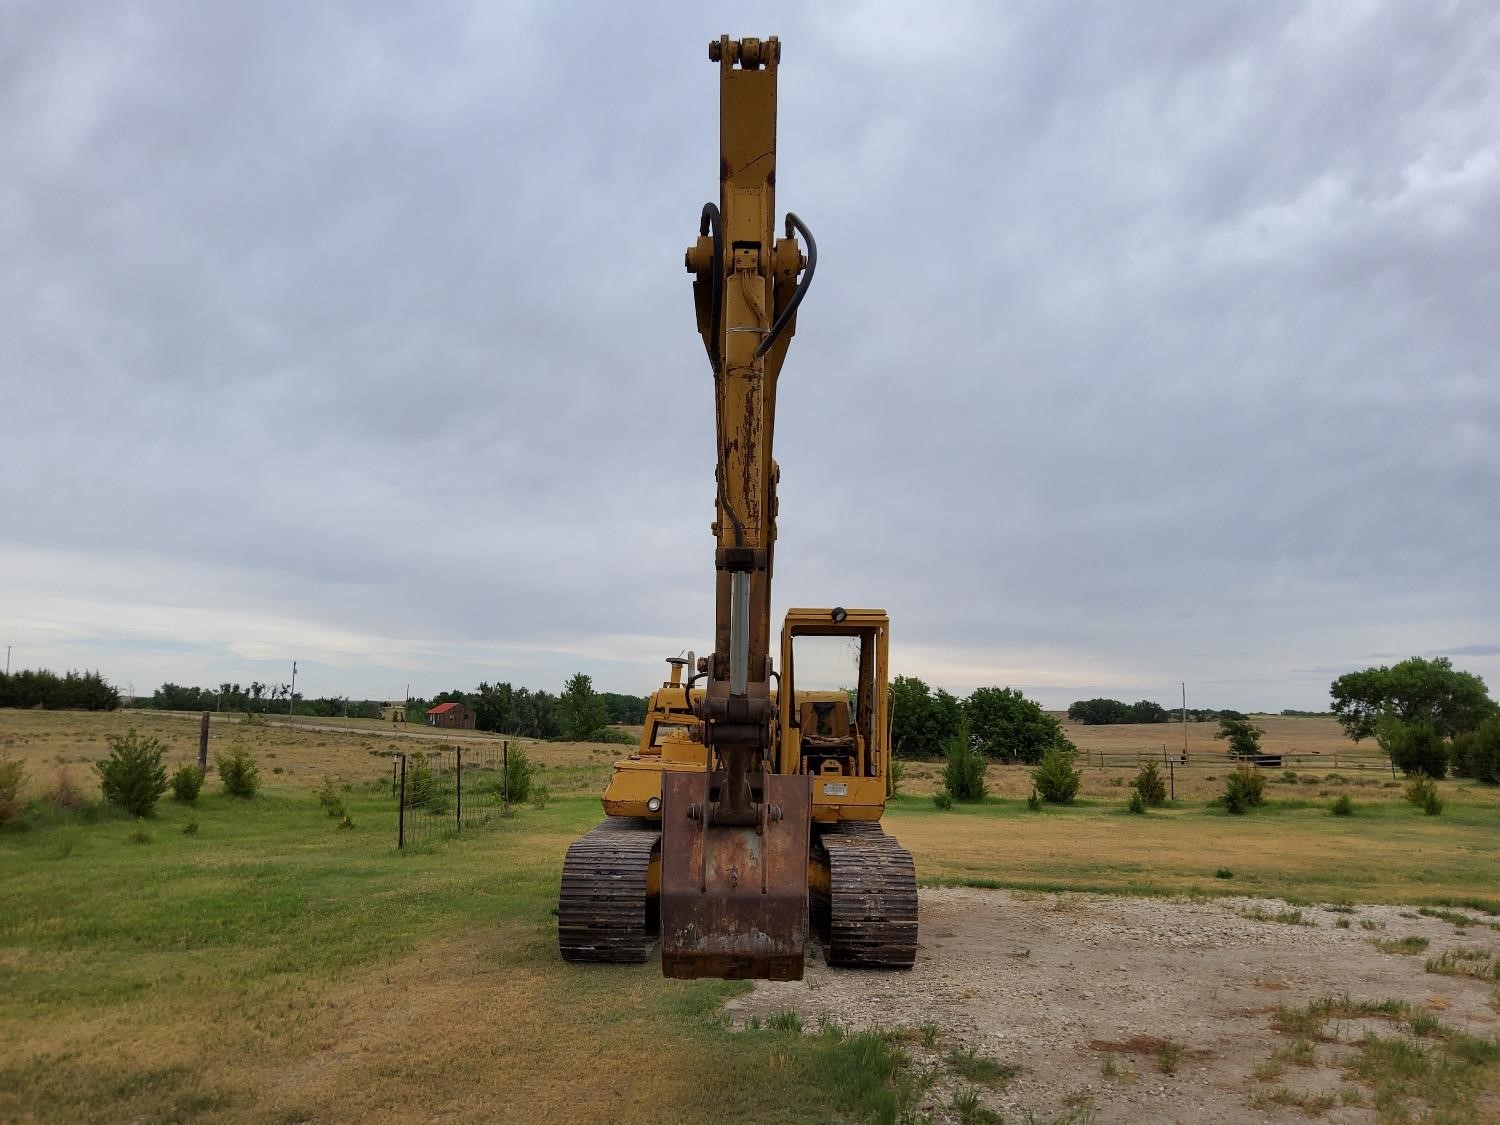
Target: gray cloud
{"x": 1154, "y": 348}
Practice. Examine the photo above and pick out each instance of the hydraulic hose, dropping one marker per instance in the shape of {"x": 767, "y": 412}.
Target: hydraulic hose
{"x": 792, "y": 222}
{"x": 710, "y": 220}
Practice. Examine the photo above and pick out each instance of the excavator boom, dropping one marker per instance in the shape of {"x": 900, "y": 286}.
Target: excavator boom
{"x": 735, "y": 838}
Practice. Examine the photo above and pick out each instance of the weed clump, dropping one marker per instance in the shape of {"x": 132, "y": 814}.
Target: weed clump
{"x": 1342, "y": 806}
{"x": 238, "y": 772}
{"x": 191, "y": 827}
{"x": 132, "y": 776}
{"x": 65, "y": 794}
{"x": 1406, "y": 945}
{"x": 186, "y": 781}
{"x": 540, "y": 795}
{"x": 1137, "y": 803}
{"x": 963, "y": 776}
{"x": 1055, "y": 778}
{"x": 12, "y": 781}
{"x": 1149, "y": 784}
{"x": 943, "y": 799}
{"x": 1223, "y": 873}
{"x": 140, "y": 835}
{"x": 1243, "y": 790}
{"x": 1034, "y": 802}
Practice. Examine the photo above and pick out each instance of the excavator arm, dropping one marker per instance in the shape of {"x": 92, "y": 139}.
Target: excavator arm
{"x": 735, "y": 838}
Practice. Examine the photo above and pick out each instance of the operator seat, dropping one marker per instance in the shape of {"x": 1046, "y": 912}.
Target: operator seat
{"x": 826, "y": 736}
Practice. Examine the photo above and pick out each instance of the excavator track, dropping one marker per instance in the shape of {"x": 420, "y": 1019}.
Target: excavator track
{"x": 606, "y": 911}
{"x": 867, "y": 916}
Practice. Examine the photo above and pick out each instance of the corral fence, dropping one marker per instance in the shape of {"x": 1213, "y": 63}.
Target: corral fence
{"x": 1172, "y": 761}
{"x": 1291, "y": 759}
{"x": 438, "y": 792}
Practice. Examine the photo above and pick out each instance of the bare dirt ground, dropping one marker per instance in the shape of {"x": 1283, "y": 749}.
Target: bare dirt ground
{"x": 1056, "y": 984}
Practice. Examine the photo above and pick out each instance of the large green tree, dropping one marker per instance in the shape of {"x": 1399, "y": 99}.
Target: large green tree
{"x": 922, "y": 721}
{"x": 1418, "y": 690}
{"x": 1008, "y": 725}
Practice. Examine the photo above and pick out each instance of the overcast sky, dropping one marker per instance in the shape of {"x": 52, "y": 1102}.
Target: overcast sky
{"x": 1149, "y": 342}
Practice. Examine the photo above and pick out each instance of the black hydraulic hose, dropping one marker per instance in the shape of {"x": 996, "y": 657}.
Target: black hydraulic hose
{"x": 807, "y": 275}
{"x": 710, "y": 220}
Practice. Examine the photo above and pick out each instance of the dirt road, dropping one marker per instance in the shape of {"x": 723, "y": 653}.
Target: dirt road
{"x": 1094, "y": 999}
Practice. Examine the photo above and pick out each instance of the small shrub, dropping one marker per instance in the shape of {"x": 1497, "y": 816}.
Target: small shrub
{"x": 1476, "y": 753}
{"x": 963, "y": 776}
{"x": 421, "y": 784}
{"x": 1223, "y": 873}
{"x": 238, "y": 772}
{"x": 898, "y": 773}
{"x": 1415, "y": 747}
{"x": 65, "y": 794}
{"x": 1149, "y": 784}
{"x": 1243, "y": 790}
{"x": 191, "y": 827}
{"x": 1137, "y": 802}
{"x": 330, "y": 797}
{"x": 520, "y": 776}
{"x": 12, "y": 781}
{"x": 1342, "y": 806}
{"x": 540, "y": 795}
{"x": 1034, "y": 802}
{"x": 1432, "y": 806}
{"x": 186, "y": 781}
{"x": 1418, "y": 787}
{"x": 132, "y": 777}
{"x": 1168, "y": 1055}
{"x": 943, "y": 799}
{"x": 1055, "y": 778}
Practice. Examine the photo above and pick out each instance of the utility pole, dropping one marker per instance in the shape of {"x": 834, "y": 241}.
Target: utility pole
{"x": 1184, "y": 720}
{"x": 291, "y": 696}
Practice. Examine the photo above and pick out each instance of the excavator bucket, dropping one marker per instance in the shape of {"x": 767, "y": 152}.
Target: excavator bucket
{"x": 734, "y": 899}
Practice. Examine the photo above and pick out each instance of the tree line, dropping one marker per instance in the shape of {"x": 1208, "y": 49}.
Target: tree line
{"x": 578, "y": 713}
{"x": 73, "y": 691}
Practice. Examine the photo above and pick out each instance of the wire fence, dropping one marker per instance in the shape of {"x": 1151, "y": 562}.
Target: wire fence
{"x": 438, "y": 792}
{"x": 1271, "y": 759}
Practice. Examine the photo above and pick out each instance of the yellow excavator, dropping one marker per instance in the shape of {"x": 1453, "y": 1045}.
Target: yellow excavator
{"x": 749, "y": 815}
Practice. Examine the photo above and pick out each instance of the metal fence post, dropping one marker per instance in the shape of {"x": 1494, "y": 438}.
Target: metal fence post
{"x": 1172, "y": 777}
{"x": 401, "y": 813}
{"x": 505, "y": 772}
{"x": 458, "y": 788}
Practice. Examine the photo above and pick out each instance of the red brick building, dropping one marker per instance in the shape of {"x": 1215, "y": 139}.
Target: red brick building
{"x": 454, "y": 715}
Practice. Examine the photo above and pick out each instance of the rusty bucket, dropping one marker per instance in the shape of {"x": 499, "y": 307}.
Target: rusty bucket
{"x": 734, "y": 899}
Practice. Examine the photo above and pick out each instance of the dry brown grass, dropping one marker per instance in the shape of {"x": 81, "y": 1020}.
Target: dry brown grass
{"x": 295, "y": 753}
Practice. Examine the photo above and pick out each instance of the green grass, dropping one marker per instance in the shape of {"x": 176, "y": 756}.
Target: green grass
{"x": 974, "y": 1067}
{"x": 187, "y": 978}
{"x": 1405, "y": 945}
{"x": 1424, "y": 1066}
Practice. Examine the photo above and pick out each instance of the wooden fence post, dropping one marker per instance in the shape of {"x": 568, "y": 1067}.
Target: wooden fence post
{"x": 203, "y": 745}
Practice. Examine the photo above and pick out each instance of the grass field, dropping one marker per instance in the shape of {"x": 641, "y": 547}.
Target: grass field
{"x": 274, "y": 967}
